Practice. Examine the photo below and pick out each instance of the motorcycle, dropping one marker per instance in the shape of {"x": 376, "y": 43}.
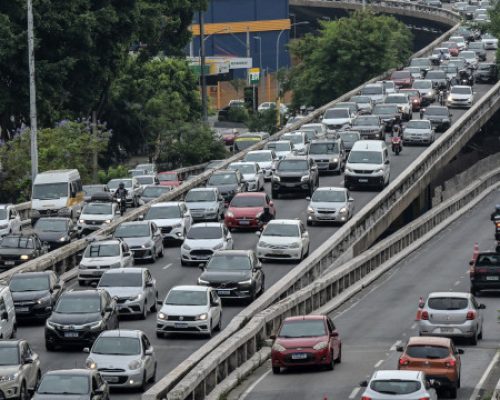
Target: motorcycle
{"x": 122, "y": 204}
{"x": 442, "y": 97}
{"x": 396, "y": 144}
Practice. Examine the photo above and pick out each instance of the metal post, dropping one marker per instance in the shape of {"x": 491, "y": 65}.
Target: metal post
{"x": 95, "y": 164}
{"x": 204, "y": 95}
{"x": 294, "y": 18}
{"x": 278, "y": 113}
{"x": 33, "y": 115}
{"x": 191, "y": 48}
{"x": 259, "y": 38}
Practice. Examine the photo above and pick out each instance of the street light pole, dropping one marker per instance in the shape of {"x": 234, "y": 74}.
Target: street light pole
{"x": 294, "y": 18}
{"x": 204, "y": 95}
{"x": 260, "y": 51}
{"x": 33, "y": 114}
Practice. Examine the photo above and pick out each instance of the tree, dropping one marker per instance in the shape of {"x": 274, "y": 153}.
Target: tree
{"x": 346, "y": 53}
{"x": 70, "y": 145}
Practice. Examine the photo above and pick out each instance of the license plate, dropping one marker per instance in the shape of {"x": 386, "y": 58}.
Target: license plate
{"x": 111, "y": 379}
{"x": 446, "y": 330}
{"x": 362, "y": 180}
{"x": 244, "y": 222}
{"x": 70, "y": 334}
{"x": 22, "y": 309}
{"x": 180, "y": 325}
{"x": 9, "y": 263}
{"x": 278, "y": 251}
{"x": 492, "y": 278}
{"x": 299, "y": 356}
{"x": 223, "y": 292}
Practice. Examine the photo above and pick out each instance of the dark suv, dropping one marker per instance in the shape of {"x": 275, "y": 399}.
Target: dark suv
{"x": 295, "y": 174}
{"x": 228, "y": 182}
{"x": 17, "y": 249}
{"x": 79, "y": 317}
{"x": 485, "y": 272}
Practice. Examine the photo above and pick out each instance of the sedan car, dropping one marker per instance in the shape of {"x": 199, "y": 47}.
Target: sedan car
{"x": 205, "y": 204}
{"x": 245, "y": 210}
{"x": 478, "y": 48}
{"x": 173, "y": 219}
{"x": 202, "y": 240}
{"x": 388, "y": 113}
{"x": 369, "y": 126}
{"x": 145, "y": 180}
{"x": 402, "y": 100}
{"x": 330, "y": 204}
{"x": 96, "y": 214}
{"x": 460, "y": 96}
{"x": 152, "y": 192}
{"x": 190, "y": 310}
{"x": 253, "y": 175}
{"x": 439, "y": 116}
{"x": 365, "y": 104}
{"x": 374, "y": 91}
{"x": 143, "y": 238}
{"x": 402, "y": 79}
{"x": 264, "y": 158}
{"x": 299, "y": 141}
{"x": 55, "y": 231}
{"x": 415, "y": 98}
{"x": 470, "y": 58}
{"x": 490, "y": 41}
{"x": 426, "y": 89}
{"x": 72, "y": 384}
{"x": 129, "y": 349}
{"x": 418, "y": 131}
{"x": 348, "y": 138}
{"x": 281, "y": 148}
{"x": 423, "y": 63}
{"x": 169, "y": 178}
{"x": 229, "y": 182}
{"x": 17, "y": 249}
{"x": 486, "y": 73}
{"x": 328, "y": 154}
{"x": 19, "y": 369}
{"x": 439, "y": 79}
{"x": 306, "y": 340}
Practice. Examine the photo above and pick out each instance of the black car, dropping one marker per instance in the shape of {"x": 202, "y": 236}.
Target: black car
{"x": 478, "y": 48}
{"x": 234, "y": 274}
{"x": 439, "y": 116}
{"x": 229, "y": 182}
{"x": 55, "y": 232}
{"x": 485, "y": 272}
{"x": 439, "y": 79}
{"x": 225, "y": 113}
{"x": 388, "y": 113}
{"x": 349, "y": 138}
{"x": 369, "y": 126}
{"x": 295, "y": 174}
{"x": 35, "y": 293}
{"x": 89, "y": 190}
{"x": 79, "y": 317}
{"x": 17, "y": 249}
{"x": 486, "y": 73}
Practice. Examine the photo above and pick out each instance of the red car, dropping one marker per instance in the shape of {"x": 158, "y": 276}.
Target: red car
{"x": 169, "y": 178}
{"x": 453, "y": 47}
{"x": 306, "y": 340}
{"x": 245, "y": 209}
{"x": 415, "y": 98}
{"x": 402, "y": 79}
{"x": 229, "y": 135}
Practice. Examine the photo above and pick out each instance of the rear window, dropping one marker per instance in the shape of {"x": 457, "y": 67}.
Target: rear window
{"x": 447, "y": 303}
{"x": 432, "y": 352}
{"x": 395, "y": 386}
{"x": 490, "y": 259}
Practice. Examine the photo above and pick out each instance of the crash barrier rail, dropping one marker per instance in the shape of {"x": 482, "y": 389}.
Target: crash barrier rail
{"x": 496, "y": 392}
{"x": 335, "y": 287}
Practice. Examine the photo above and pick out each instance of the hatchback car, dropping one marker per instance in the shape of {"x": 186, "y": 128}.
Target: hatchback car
{"x": 299, "y": 141}
{"x": 202, "y": 240}
{"x": 252, "y": 173}
{"x": 229, "y": 182}
{"x": 439, "y": 116}
{"x": 55, "y": 231}
{"x": 96, "y": 214}
{"x": 144, "y": 239}
{"x": 365, "y": 104}
{"x": 418, "y": 131}
{"x": 460, "y": 96}
{"x": 452, "y": 314}
{"x": 374, "y": 91}
{"x": 281, "y": 148}
{"x": 10, "y": 220}
{"x": 264, "y": 158}
{"x": 426, "y": 89}
{"x": 330, "y": 204}
{"x": 245, "y": 210}
{"x": 169, "y": 178}
{"x": 306, "y": 340}
{"x": 129, "y": 349}
{"x": 17, "y": 249}
{"x": 205, "y": 204}
{"x": 173, "y": 219}
{"x": 152, "y": 192}
{"x": 402, "y": 79}
{"x": 328, "y": 154}
{"x": 337, "y": 118}
{"x": 190, "y": 310}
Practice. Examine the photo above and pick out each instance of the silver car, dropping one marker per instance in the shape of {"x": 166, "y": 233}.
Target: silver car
{"x": 19, "y": 370}
{"x": 418, "y": 131}
{"x": 202, "y": 240}
{"x": 330, "y": 204}
{"x": 173, "y": 218}
{"x": 252, "y": 174}
{"x": 281, "y": 148}
{"x": 143, "y": 238}
{"x": 452, "y": 314}
{"x": 460, "y": 96}
{"x": 96, "y": 214}
{"x": 134, "y": 289}
{"x": 398, "y": 385}
{"x": 205, "y": 204}
{"x": 265, "y": 158}
{"x": 318, "y": 127}
{"x": 145, "y": 180}
{"x": 10, "y": 221}
{"x": 125, "y": 358}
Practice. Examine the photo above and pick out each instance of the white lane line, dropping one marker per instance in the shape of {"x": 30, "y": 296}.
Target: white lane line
{"x": 456, "y": 283}
{"x": 252, "y": 386}
{"x": 480, "y": 384}
{"x": 378, "y": 364}
{"x": 354, "y": 393}
{"x": 167, "y": 266}
{"x": 393, "y": 347}
{"x": 413, "y": 326}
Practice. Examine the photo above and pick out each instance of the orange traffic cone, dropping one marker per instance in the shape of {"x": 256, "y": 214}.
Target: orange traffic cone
{"x": 419, "y": 309}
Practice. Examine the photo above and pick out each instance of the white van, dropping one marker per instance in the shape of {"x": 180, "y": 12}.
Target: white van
{"x": 368, "y": 165}
{"x": 8, "y": 324}
{"x": 57, "y": 193}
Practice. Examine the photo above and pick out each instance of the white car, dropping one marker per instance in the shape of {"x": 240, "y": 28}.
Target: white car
{"x": 281, "y": 148}
{"x": 190, "y": 309}
{"x": 252, "y": 174}
{"x": 283, "y": 239}
{"x": 490, "y": 42}
{"x": 265, "y": 159}
{"x": 389, "y": 86}
{"x": 149, "y": 168}
{"x": 10, "y": 221}
{"x": 298, "y": 139}
{"x": 320, "y": 129}
{"x": 418, "y": 131}
{"x": 125, "y": 358}
{"x": 172, "y": 217}
{"x": 202, "y": 240}
{"x": 374, "y": 91}
{"x": 460, "y": 41}
{"x": 145, "y": 180}
{"x": 365, "y": 104}
{"x": 337, "y": 118}
{"x": 470, "y": 58}
{"x": 96, "y": 214}
{"x": 271, "y": 105}
{"x": 103, "y": 255}
{"x": 402, "y": 100}
{"x": 460, "y": 96}
{"x": 330, "y": 204}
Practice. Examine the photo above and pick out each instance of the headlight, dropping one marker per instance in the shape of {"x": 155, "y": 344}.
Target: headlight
{"x": 343, "y": 210}
{"x": 147, "y": 245}
{"x": 186, "y": 247}
{"x": 320, "y": 346}
{"x": 108, "y": 221}
{"x": 218, "y": 246}
{"x": 96, "y": 325}
{"x": 6, "y": 378}
{"x": 50, "y": 325}
{"x": 276, "y": 178}
{"x": 82, "y": 266}
{"x": 379, "y": 170}
{"x": 294, "y": 245}
{"x": 64, "y": 239}
{"x": 229, "y": 214}
{"x": 202, "y": 317}
{"x": 429, "y": 93}
{"x": 305, "y": 178}
{"x": 348, "y": 170}
{"x": 136, "y": 298}
{"x": 25, "y": 257}
{"x": 176, "y": 226}
{"x": 90, "y": 364}
{"x": 136, "y": 364}
{"x": 115, "y": 265}
{"x": 310, "y": 210}
{"x": 278, "y": 347}
{"x": 263, "y": 244}
{"x": 43, "y": 300}
{"x": 335, "y": 160}
{"x": 162, "y": 316}
{"x": 245, "y": 283}
{"x": 450, "y": 98}
{"x": 213, "y": 209}
{"x": 202, "y": 282}
{"x": 82, "y": 221}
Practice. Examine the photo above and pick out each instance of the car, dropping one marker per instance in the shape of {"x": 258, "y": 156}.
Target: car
{"x": 394, "y": 384}
{"x": 460, "y": 96}
{"x": 229, "y": 182}
{"x": 437, "y": 357}
{"x": 452, "y": 314}
{"x": 485, "y": 272}
{"x": 190, "y": 309}
{"x": 439, "y": 55}
{"x": 364, "y": 103}
{"x": 460, "y": 41}
{"x": 95, "y": 214}
{"x": 172, "y": 218}
{"x": 247, "y": 140}
{"x": 402, "y": 79}
{"x": 299, "y": 141}
{"x": 234, "y": 274}
{"x": 328, "y": 154}
{"x": 415, "y": 72}
{"x": 306, "y": 340}
{"x": 374, "y": 91}
{"x": 490, "y": 41}
{"x": 426, "y": 89}
{"x": 369, "y": 126}
{"x": 432, "y": 3}
{"x": 55, "y": 231}
{"x": 131, "y": 350}
{"x": 337, "y": 118}
{"x": 150, "y": 168}
{"x": 293, "y": 120}
{"x": 264, "y": 158}
{"x": 205, "y": 204}
{"x": 10, "y": 220}
{"x": 402, "y": 100}
{"x": 271, "y": 105}
{"x": 423, "y": 63}
{"x": 452, "y": 48}
{"x": 283, "y": 239}
{"x": 35, "y": 294}
{"x": 17, "y": 249}
{"x": 318, "y": 127}
{"x": 89, "y": 190}
{"x": 225, "y": 113}
{"x": 349, "y": 137}
{"x": 103, "y": 255}
{"x": 470, "y": 58}
{"x": 134, "y": 290}
{"x": 152, "y": 192}
{"x": 439, "y": 79}
{"x": 281, "y": 148}
{"x": 440, "y": 117}
{"x": 245, "y": 210}
{"x": 451, "y": 71}
{"x": 389, "y": 86}
{"x": 79, "y": 317}
{"x": 202, "y": 240}
{"x": 330, "y": 204}
{"x": 19, "y": 368}
{"x": 415, "y": 98}
{"x": 68, "y": 384}
{"x": 479, "y": 48}
{"x": 418, "y": 131}
{"x": 169, "y": 178}
{"x": 135, "y": 172}
{"x": 253, "y": 175}
{"x": 295, "y": 174}
{"x": 486, "y": 73}
{"x": 144, "y": 238}
{"x": 458, "y": 62}
{"x": 133, "y": 188}
{"x": 145, "y": 180}
{"x": 8, "y": 320}
{"x": 310, "y": 134}
{"x": 388, "y": 113}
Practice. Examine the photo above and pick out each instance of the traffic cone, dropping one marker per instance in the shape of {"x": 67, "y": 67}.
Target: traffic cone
{"x": 419, "y": 309}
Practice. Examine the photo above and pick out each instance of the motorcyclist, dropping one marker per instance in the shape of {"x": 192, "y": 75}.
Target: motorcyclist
{"x": 496, "y": 214}
{"x": 396, "y": 127}
{"x": 266, "y": 216}
{"x": 121, "y": 193}
{"x": 464, "y": 76}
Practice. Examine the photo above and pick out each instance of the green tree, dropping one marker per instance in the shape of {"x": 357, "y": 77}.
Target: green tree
{"x": 264, "y": 121}
{"x": 344, "y": 54}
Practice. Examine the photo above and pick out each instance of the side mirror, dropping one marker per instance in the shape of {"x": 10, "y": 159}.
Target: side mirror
{"x": 460, "y": 351}
{"x": 351, "y": 199}
{"x": 258, "y": 266}
{"x": 471, "y": 262}
{"x": 363, "y": 383}
{"x": 258, "y": 233}
{"x": 86, "y": 350}
{"x": 272, "y": 337}
{"x": 149, "y": 284}
{"x": 141, "y": 218}
{"x": 159, "y": 302}
{"x": 387, "y": 162}
{"x": 308, "y": 197}
{"x": 482, "y": 306}
{"x": 215, "y": 304}
{"x": 149, "y": 352}
{"x": 399, "y": 348}
{"x": 4, "y": 316}
{"x": 98, "y": 392}
{"x": 126, "y": 254}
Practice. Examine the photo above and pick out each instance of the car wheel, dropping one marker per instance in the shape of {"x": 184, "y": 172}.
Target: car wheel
{"x": 153, "y": 255}
{"x": 144, "y": 382}
{"x": 210, "y": 330}
{"x": 82, "y": 282}
{"x": 275, "y": 194}
{"x": 184, "y": 263}
{"x": 144, "y": 314}
{"x": 154, "y": 307}
{"x": 262, "y": 286}
{"x": 453, "y": 393}
{"x": 276, "y": 370}
{"x": 474, "y": 292}
{"x": 49, "y": 346}
{"x": 480, "y": 336}
{"x": 160, "y": 335}
{"x": 339, "y": 357}
{"x": 153, "y": 378}
{"x": 473, "y": 340}
{"x": 14, "y": 331}
{"x": 331, "y": 365}
{"x": 218, "y": 328}
{"x": 309, "y": 223}
{"x": 23, "y": 392}
{"x": 160, "y": 254}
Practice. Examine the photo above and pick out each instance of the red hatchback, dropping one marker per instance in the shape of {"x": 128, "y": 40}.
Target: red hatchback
{"x": 453, "y": 47}
{"x": 402, "y": 79}
{"x": 169, "y": 178}
{"x": 306, "y": 340}
{"x": 246, "y": 208}
{"x": 415, "y": 98}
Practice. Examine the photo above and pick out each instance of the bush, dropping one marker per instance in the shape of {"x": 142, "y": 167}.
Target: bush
{"x": 237, "y": 114}
{"x": 119, "y": 171}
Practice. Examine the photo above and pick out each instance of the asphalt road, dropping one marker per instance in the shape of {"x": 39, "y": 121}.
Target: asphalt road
{"x": 169, "y": 273}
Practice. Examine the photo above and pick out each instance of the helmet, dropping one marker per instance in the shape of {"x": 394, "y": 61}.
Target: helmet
{"x": 121, "y": 185}
{"x": 266, "y": 210}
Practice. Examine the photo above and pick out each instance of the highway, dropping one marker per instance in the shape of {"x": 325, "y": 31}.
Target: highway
{"x": 381, "y": 317}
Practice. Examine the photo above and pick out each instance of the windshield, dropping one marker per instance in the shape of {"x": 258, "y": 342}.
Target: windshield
{"x": 90, "y": 190}
{"x": 248, "y": 201}
{"x": 293, "y": 165}
{"x": 447, "y": 303}
{"x": 121, "y": 280}
{"x": 187, "y": 298}
{"x": 401, "y": 75}
{"x": 329, "y": 196}
{"x": 167, "y": 212}
{"x": 488, "y": 259}
{"x": 64, "y": 384}
{"x": 102, "y": 250}
{"x": 243, "y": 143}
{"x": 9, "y": 355}
{"x": 449, "y": 69}
{"x": 51, "y": 225}
{"x": 424, "y": 351}
{"x": 145, "y": 180}
{"x": 324, "y": 148}
{"x": 98, "y": 209}
{"x": 420, "y": 62}
{"x": 461, "y": 90}
{"x": 436, "y": 111}
{"x": 395, "y": 386}
{"x": 336, "y": 113}
{"x": 29, "y": 284}
{"x": 467, "y": 54}
{"x": 396, "y": 99}
{"x": 361, "y": 99}
{"x": 113, "y": 184}
{"x": 201, "y": 195}
{"x": 229, "y": 262}
{"x": 304, "y": 328}
{"x": 422, "y": 85}
{"x": 416, "y": 124}
{"x": 244, "y": 168}
{"x": 366, "y": 121}
{"x": 132, "y": 230}
{"x": 167, "y": 177}
{"x": 155, "y": 191}
{"x": 349, "y": 137}
{"x": 412, "y": 93}
{"x": 365, "y": 157}
{"x": 372, "y": 90}
{"x": 295, "y": 139}
{"x": 50, "y": 191}
{"x": 223, "y": 179}
{"x": 281, "y": 230}
{"x": 482, "y": 67}
{"x": 205, "y": 232}
{"x": 117, "y": 346}
{"x": 16, "y": 242}
{"x": 476, "y": 45}
{"x": 79, "y": 304}
{"x": 389, "y": 109}
{"x": 283, "y": 146}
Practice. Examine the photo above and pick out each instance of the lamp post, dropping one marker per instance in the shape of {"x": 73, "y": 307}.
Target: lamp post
{"x": 33, "y": 114}
{"x": 260, "y": 51}
{"x": 204, "y": 95}
{"x": 294, "y": 24}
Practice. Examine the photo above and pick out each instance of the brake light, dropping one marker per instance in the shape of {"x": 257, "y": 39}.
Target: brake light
{"x": 471, "y": 315}
{"x": 366, "y": 398}
{"x": 425, "y": 398}
{"x": 451, "y": 363}
{"x": 404, "y": 361}
{"x": 424, "y": 315}
{"x": 497, "y": 224}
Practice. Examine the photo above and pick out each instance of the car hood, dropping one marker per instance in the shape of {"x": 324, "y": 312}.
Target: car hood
{"x": 113, "y": 361}
{"x": 51, "y": 396}
{"x": 245, "y": 211}
{"x": 460, "y": 96}
{"x": 301, "y": 342}
{"x": 137, "y": 241}
{"x": 100, "y": 260}
{"x": 96, "y": 217}
{"x": 201, "y": 244}
{"x": 224, "y": 276}
{"x": 417, "y": 131}
{"x": 166, "y": 222}
{"x": 14, "y": 252}
{"x": 329, "y": 205}
{"x": 74, "y": 319}
{"x": 250, "y": 177}
{"x": 335, "y": 121}
{"x": 6, "y": 370}
{"x": 183, "y": 310}
{"x": 123, "y": 292}
{"x": 291, "y": 173}
{"x": 203, "y": 205}
{"x": 26, "y": 296}
{"x": 51, "y": 236}
{"x": 226, "y": 188}
{"x": 365, "y": 167}
{"x": 279, "y": 240}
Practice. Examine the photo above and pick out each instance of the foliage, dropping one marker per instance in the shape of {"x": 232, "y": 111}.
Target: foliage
{"x": 237, "y": 114}
{"x": 70, "y": 145}
{"x": 494, "y": 27}
{"x": 264, "y": 121}
{"x": 117, "y": 172}
{"x": 344, "y": 54}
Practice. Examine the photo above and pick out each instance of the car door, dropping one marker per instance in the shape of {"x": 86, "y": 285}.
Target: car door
{"x": 109, "y": 307}
{"x": 220, "y": 199}
{"x": 28, "y": 365}
{"x": 228, "y": 239}
{"x": 304, "y": 236}
{"x": 148, "y": 354}
{"x": 475, "y": 305}
{"x": 55, "y": 288}
{"x": 215, "y": 307}
{"x": 334, "y": 338}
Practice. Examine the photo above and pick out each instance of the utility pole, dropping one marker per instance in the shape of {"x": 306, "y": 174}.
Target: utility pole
{"x": 204, "y": 95}
{"x": 95, "y": 164}
{"x": 33, "y": 115}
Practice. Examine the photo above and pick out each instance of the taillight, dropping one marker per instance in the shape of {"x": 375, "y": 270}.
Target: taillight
{"x": 471, "y": 315}
{"x": 425, "y": 398}
{"x": 366, "y": 398}
{"x": 451, "y": 363}
{"x": 404, "y": 361}
{"x": 424, "y": 315}
{"x": 497, "y": 224}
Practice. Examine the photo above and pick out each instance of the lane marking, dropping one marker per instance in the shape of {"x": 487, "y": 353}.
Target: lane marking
{"x": 167, "y": 266}
{"x": 252, "y": 386}
{"x": 378, "y": 364}
{"x": 413, "y": 326}
{"x": 480, "y": 384}
{"x": 393, "y": 347}
{"x": 354, "y": 393}
{"x": 456, "y": 283}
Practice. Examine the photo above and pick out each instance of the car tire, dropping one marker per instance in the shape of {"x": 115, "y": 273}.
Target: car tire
{"x": 153, "y": 377}
{"x": 23, "y": 392}
{"x": 160, "y": 335}
{"x": 331, "y": 365}
{"x": 210, "y": 330}
{"x": 275, "y": 194}
{"x": 475, "y": 292}
{"x": 160, "y": 254}
{"x": 452, "y": 392}
{"x": 480, "y": 336}
{"x": 276, "y": 370}
{"x": 49, "y": 346}
{"x": 154, "y": 307}
{"x": 144, "y": 313}
{"x": 309, "y": 223}
{"x": 184, "y": 263}
{"x": 473, "y": 340}
{"x": 218, "y": 328}
{"x": 339, "y": 357}
{"x": 144, "y": 383}
{"x": 153, "y": 256}
{"x": 82, "y": 282}
{"x": 307, "y": 252}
